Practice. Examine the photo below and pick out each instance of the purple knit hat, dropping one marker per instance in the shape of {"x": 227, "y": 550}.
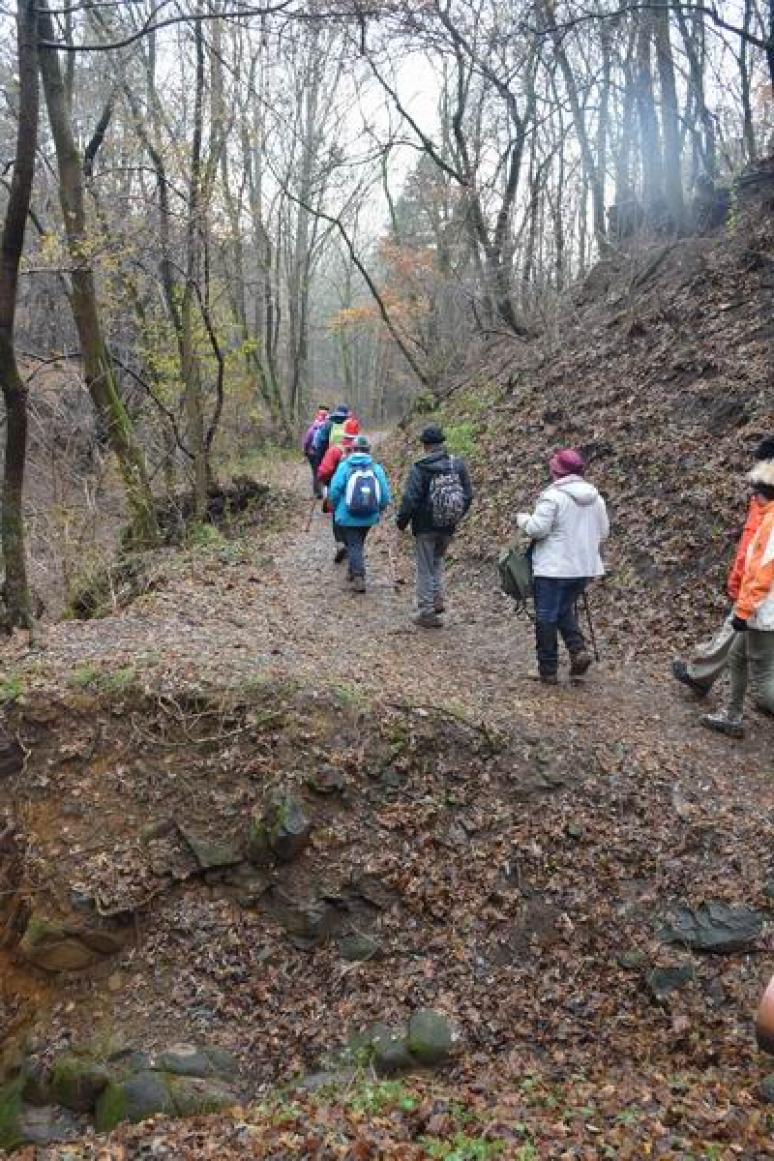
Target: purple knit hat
{"x": 567, "y": 462}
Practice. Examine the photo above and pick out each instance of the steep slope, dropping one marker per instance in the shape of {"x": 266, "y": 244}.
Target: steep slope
{"x": 660, "y": 367}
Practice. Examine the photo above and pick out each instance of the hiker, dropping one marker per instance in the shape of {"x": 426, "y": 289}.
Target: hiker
{"x": 307, "y": 445}
{"x": 702, "y": 670}
{"x": 331, "y": 431}
{"x": 326, "y": 472}
{"x": 567, "y": 527}
{"x": 751, "y": 657}
{"x": 436, "y": 497}
{"x": 359, "y": 493}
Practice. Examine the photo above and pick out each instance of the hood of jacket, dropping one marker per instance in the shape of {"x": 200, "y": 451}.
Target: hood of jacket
{"x": 360, "y": 459}
{"x": 579, "y": 490}
{"x": 436, "y": 462}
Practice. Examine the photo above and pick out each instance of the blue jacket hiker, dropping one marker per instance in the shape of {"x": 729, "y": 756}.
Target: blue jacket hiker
{"x": 359, "y": 492}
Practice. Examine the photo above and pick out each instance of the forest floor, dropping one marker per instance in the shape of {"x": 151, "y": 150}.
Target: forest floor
{"x": 525, "y": 846}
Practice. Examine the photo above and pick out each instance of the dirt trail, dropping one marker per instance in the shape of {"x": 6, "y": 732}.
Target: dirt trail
{"x": 286, "y": 613}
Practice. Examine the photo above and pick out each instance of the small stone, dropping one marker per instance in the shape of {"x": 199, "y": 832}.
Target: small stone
{"x": 211, "y": 853}
{"x": 633, "y": 960}
{"x": 327, "y": 780}
{"x": 662, "y": 981}
{"x": 48, "y": 1125}
{"x": 196, "y": 1096}
{"x": 766, "y": 1089}
{"x": 359, "y": 947}
{"x": 429, "y": 1036}
{"x": 390, "y": 1051}
{"x": 575, "y": 830}
{"x": 714, "y": 927}
{"x": 281, "y": 832}
{"x": 115, "y": 982}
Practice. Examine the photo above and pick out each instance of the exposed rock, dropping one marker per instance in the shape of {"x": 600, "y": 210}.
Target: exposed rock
{"x": 11, "y": 755}
{"x": 281, "y": 832}
{"x": 63, "y": 947}
{"x": 429, "y": 1036}
{"x": 662, "y": 981}
{"x": 327, "y": 780}
{"x": 77, "y": 1081}
{"x": 714, "y": 927}
{"x": 185, "y": 1060}
{"x": 211, "y": 854}
{"x": 140, "y": 1095}
{"x": 11, "y": 1133}
{"x": 308, "y": 921}
{"x": 632, "y": 960}
{"x": 766, "y": 1089}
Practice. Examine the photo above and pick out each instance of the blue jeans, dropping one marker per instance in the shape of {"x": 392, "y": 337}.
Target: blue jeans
{"x": 355, "y": 541}
{"x": 555, "y": 601}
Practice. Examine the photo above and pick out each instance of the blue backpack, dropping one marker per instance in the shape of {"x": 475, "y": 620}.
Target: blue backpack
{"x": 363, "y": 493}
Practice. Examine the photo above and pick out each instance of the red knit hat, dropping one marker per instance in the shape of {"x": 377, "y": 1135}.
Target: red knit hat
{"x": 567, "y": 462}
{"x": 351, "y": 426}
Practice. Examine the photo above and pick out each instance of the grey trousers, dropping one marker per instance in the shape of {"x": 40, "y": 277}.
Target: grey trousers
{"x": 712, "y": 657}
{"x": 430, "y": 549}
{"x": 751, "y": 659}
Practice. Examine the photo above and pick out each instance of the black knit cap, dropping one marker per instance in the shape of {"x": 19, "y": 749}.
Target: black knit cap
{"x": 432, "y": 435}
{"x": 765, "y": 449}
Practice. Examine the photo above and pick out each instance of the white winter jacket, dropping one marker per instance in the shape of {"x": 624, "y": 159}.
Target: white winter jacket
{"x": 568, "y": 525}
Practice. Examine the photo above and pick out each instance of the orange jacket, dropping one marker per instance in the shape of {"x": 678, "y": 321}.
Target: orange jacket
{"x": 755, "y": 603}
{"x": 751, "y": 526}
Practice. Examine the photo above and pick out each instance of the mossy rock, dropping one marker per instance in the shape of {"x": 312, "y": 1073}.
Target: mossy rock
{"x": 60, "y": 947}
{"x": 185, "y": 1060}
{"x": 196, "y": 1096}
{"x": 429, "y": 1036}
{"x": 281, "y": 832}
{"x": 359, "y": 947}
{"x": 77, "y": 1081}
{"x": 11, "y": 1132}
{"x": 136, "y": 1098}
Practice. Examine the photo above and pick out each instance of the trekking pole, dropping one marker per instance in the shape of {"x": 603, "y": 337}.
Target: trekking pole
{"x": 592, "y": 634}
{"x": 396, "y": 581}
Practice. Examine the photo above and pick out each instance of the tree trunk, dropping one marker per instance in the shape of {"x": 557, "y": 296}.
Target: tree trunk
{"x": 670, "y": 120}
{"x": 97, "y": 366}
{"x": 16, "y": 592}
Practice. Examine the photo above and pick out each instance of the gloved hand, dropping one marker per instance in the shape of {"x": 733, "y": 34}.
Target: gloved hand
{"x": 401, "y": 523}
{"x": 522, "y": 519}
{"x": 739, "y": 624}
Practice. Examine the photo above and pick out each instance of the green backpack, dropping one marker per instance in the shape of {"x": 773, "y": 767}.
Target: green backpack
{"x": 514, "y": 565}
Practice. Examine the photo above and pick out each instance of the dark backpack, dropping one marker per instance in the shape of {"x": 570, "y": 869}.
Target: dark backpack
{"x": 446, "y": 497}
{"x": 363, "y": 493}
{"x": 514, "y": 565}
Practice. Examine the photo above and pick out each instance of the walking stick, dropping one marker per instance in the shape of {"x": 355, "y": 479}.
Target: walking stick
{"x": 396, "y": 580}
{"x": 311, "y": 513}
{"x": 592, "y": 634}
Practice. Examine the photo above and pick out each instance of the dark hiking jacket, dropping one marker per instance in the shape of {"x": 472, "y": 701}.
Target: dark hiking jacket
{"x": 415, "y": 506}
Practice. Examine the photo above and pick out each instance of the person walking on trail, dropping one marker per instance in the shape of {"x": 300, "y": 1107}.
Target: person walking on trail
{"x": 437, "y": 495}
{"x": 307, "y": 445}
{"x": 359, "y": 493}
{"x": 331, "y": 431}
{"x": 567, "y": 527}
{"x": 326, "y": 472}
{"x": 702, "y": 670}
{"x": 751, "y": 657}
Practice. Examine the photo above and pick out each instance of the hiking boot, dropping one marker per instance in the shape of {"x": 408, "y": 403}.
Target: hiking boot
{"x": 543, "y": 678}
{"x": 579, "y": 663}
{"x": 681, "y": 674}
{"x": 340, "y": 554}
{"x": 721, "y": 723}
{"x": 358, "y": 584}
{"x": 438, "y": 605}
{"x": 427, "y": 621}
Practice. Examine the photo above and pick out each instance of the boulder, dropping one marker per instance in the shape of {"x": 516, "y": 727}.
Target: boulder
{"x": 141, "y": 1095}
{"x": 77, "y": 1081}
{"x": 185, "y": 1060}
{"x": 429, "y": 1036}
{"x": 766, "y": 1090}
{"x": 11, "y": 1134}
{"x": 281, "y": 832}
{"x": 714, "y": 927}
